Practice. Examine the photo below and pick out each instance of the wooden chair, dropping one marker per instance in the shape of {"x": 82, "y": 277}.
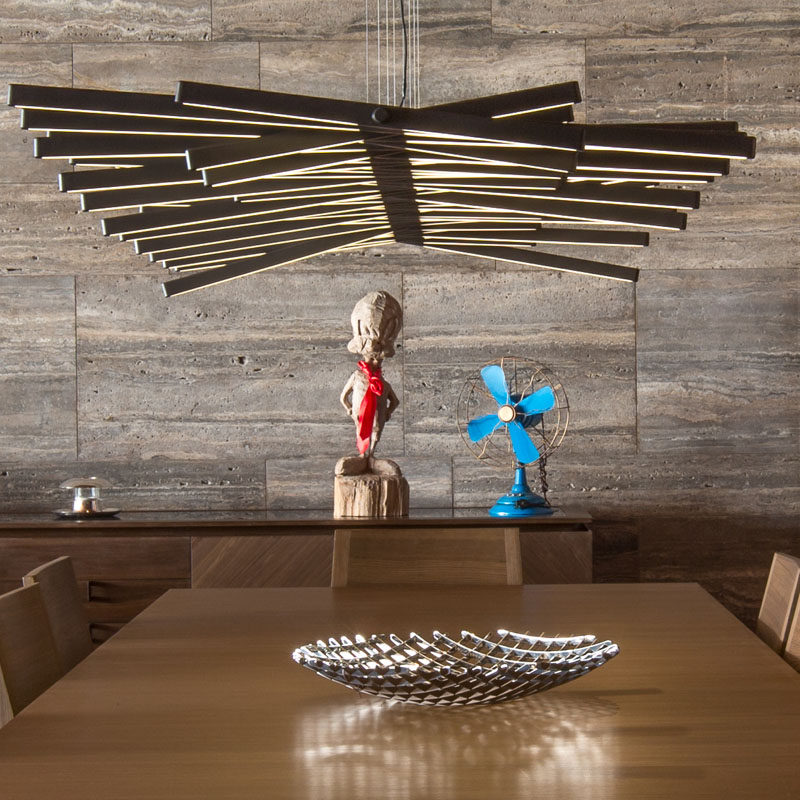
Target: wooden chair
{"x": 791, "y": 651}
{"x": 363, "y": 556}
{"x": 779, "y": 604}
{"x": 28, "y": 659}
{"x": 68, "y": 620}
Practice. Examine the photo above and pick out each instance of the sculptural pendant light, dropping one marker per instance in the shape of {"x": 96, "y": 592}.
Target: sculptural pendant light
{"x": 219, "y": 182}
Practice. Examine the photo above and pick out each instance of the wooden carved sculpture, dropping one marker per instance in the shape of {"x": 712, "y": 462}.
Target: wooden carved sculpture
{"x": 366, "y": 486}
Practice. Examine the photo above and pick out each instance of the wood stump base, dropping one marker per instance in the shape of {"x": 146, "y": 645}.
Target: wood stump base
{"x": 380, "y": 490}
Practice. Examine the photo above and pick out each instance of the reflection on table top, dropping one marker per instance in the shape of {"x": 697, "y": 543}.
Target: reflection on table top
{"x": 199, "y": 698}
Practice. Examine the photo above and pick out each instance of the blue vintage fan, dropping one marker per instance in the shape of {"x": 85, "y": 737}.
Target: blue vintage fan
{"x": 514, "y": 413}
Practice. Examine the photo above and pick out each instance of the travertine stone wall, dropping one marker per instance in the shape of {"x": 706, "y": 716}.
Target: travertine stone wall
{"x": 683, "y": 388}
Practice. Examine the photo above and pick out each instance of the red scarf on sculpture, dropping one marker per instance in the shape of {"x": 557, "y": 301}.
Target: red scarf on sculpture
{"x": 369, "y": 405}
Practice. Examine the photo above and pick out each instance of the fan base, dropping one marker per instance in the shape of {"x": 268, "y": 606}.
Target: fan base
{"x": 520, "y": 501}
{"x": 510, "y": 505}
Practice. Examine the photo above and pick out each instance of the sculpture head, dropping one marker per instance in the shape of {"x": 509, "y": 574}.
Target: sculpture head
{"x": 376, "y": 320}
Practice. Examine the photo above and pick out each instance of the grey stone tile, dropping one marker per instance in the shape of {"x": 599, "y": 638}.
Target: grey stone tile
{"x": 641, "y": 18}
{"x": 745, "y": 80}
{"x": 294, "y": 19}
{"x": 658, "y": 72}
{"x": 250, "y": 368}
{"x": 602, "y": 411}
{"x": 461, "y": 318}
{"x": 494, "y": 65}
{"x": 762, "y": 95}
{"x": 729, "y": 555}
{"x": 617, "y": 486}
{"x": 717, "y": 360}
{"x": 49, "y": 65}
{"x": 37, "y": 380}
{"x": 580, "y": 328}
{"x": 308, "y": 482}
{"x": 143, "y": 67}
{"x": 153, "y": 485}
{"x": 82, "y": 21}
{"x": 340, "y": 19}
{"x": 334, "y": 69}
{"x": 760, "y": 74}
{"x": 44, "y": 231}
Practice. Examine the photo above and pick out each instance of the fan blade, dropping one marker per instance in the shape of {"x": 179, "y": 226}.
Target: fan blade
{"x": 524, "y": 449}
{"x": 480, "y": 427}
{"x": 540, "y": 401}
{"x": 495, "y": 381}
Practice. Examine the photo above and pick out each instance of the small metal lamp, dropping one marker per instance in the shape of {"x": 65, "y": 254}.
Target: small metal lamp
{"x": 86, "y": 498}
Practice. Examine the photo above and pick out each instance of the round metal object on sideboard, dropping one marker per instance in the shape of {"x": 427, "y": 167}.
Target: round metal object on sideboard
{"x": 86, "y": 500}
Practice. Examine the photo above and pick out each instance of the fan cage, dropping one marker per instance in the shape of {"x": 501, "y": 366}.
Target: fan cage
{"x": 524, "y": 377}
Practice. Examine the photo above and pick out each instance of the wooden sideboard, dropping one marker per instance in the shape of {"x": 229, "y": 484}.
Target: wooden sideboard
{"x": 125, "y": 563}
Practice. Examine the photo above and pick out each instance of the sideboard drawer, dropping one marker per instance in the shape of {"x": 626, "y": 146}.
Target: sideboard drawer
{"x": 99, "y": 557}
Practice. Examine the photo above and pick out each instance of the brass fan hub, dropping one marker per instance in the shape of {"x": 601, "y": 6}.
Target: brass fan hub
{"x": 507, "y": 413}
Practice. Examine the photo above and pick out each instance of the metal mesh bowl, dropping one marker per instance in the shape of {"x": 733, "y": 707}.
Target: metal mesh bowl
{"x": 443, "y": 671}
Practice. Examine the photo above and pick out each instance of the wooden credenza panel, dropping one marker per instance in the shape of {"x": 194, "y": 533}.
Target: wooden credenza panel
{"x": 257, "y": 561}
{"x": 115, "y": 601}
{"x": 120, "y": 601}
{"x": 556, "y": 556}
{"x": 101, "y": 558}
{"x": 118, "y": 577}
{"x": 261, "y": 561}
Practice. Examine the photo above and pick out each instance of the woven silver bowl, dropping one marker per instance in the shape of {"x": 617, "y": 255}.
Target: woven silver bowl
{"x": 443, "y": 671}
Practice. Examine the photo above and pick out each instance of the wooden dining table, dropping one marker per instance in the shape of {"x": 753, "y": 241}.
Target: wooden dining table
{"x": 198, "y": 697}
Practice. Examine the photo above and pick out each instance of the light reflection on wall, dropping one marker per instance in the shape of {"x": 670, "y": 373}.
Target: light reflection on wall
{"x": 375, "y": 748}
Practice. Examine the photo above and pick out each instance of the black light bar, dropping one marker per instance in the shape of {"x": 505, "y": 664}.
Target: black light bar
{"x": 226, "y": 182}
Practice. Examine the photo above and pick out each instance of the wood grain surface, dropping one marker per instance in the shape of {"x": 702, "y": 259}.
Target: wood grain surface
{"x": 198, "y": 697}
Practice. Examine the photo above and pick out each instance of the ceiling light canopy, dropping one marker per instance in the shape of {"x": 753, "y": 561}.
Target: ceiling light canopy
{"x": 227, "y": 182}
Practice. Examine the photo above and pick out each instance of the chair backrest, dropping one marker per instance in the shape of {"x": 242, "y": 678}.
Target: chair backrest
{"x": 791, "y": 651}
{"x": 28, "y": 659}
{"x": 68, "y": 620}
{"x": 363, "y": 556}
{"x": 779, "y": 602}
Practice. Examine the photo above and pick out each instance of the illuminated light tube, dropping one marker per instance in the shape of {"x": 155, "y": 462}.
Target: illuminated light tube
{"x": 626, "y": 162}
{"x": 549, "y": 261}
{"x": 500, "y": 155}
{"x": 128, "y": 225}
{"x": 283, "y": 167}
{"x": 537, "y": 98}
{"x": 96, "y": 145}
{"x": 106, "y": 179}
{"x": 104, "y": 101}
{"x": 579, "y": 197}
{"x": 198, "y": 229}
{"x": 211, "y": 262}
{"x": 276, "y": 145}
{"x": 695, "y": 143}
{"x": 279, "y": 256}
{"x": 296, "y": 236}
{"x": 556, "y": 207}
{"x": 564, "y": 236}
{"x": 262, "y": 231}
{"x": 75, "y": 122}
{"x": 528, "y": 111}
{"x": 296, "y": 215}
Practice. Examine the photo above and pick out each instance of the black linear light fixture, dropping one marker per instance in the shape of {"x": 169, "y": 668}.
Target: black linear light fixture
{"x": 222, "y": 182}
